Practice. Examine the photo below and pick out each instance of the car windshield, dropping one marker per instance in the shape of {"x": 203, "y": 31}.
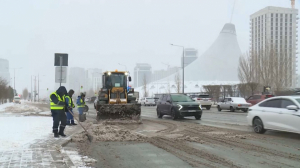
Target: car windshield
{"x": 239, "y": 100}
{"x": 181, "y": 98}
{"x": 298, "y": 100}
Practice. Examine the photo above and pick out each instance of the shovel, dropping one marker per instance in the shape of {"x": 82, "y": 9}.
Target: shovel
{"x": 90, "y": 137}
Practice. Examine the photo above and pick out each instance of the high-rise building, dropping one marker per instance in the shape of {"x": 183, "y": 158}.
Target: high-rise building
{"x": 275, "y": 29}
{"x": 160, "y": 74}
{"x": 190, "y": 55}
{"x": 142, "y": 74}
{"x": 4, "y": 70}
{"x": 76, "y": 79}
{"x": 94, "y": 79}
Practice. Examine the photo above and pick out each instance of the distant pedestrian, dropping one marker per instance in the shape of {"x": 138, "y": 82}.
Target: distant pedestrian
{"x": 69, "y": 109}
{"x": 81, "y": 106}
{"x": 57, "y": 106}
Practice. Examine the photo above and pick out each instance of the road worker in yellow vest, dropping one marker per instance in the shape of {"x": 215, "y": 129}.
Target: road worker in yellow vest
{"x": 57, "y": 106}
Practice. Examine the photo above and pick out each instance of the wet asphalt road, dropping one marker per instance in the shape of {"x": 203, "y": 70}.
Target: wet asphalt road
{"x": 273, "y": 149}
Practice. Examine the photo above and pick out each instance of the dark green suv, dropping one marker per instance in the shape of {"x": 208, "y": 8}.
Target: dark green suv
{"x": 178, "y": 106}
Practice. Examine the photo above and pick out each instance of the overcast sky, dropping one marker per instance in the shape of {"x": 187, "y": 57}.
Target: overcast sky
{"x": 103, "y": 33}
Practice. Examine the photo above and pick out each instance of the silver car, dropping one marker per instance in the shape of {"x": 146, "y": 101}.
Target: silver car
{"x": 233, "y": 103}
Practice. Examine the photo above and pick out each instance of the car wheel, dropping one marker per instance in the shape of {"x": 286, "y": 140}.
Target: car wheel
{"x": 232, "y": 109}
{"x": 219, "y": 108}
{"x": 173, "y": 114}
{"x": 258, "y": 126}
{"x": 159, "y": 115}
{"x": 198, "y": 117}
{"x": 208, "y": 107}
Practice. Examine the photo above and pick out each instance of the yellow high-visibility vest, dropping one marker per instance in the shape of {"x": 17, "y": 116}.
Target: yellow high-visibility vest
{"x": 82, "y": 104}
{"x": 70, "y": 103}
{"x": 54, "y": 106}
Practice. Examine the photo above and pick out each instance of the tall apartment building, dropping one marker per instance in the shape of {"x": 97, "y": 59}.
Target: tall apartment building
{"x": 142, "y": 72}
{"x": 76, "y": 79}
{"x": 275, "y": 28}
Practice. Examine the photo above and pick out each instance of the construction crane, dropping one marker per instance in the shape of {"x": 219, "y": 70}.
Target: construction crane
{"x": 293, "y": 4}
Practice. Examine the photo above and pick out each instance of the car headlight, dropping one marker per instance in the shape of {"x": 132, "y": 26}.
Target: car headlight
{"x": 179, "y": 106}
{"x": 200, "y": 106}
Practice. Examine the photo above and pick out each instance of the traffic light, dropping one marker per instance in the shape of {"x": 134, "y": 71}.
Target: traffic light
{"x": 81, "y": 87}
{"x": 47, "y": 89}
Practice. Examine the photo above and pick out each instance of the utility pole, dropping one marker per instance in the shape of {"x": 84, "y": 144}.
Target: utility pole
{"x": 31, "y": 88}
{"x": 38, "y": 87}
{"x": 34, "y": 89}
{"x": 182, "y": 65}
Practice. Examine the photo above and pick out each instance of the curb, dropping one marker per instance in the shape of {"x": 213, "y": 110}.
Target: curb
{"x": 69, "y": 138}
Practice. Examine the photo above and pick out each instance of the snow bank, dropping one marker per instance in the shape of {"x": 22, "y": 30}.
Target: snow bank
{"x": 18, "y": 131}
{"x": 3, "y": 106}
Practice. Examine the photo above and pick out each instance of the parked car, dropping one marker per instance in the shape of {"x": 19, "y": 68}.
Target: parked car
{"x": 258, "y": 98}
{"x": 277, "y": 113}
{"x": 204, "y": 100}
{"x": 17, "y": 100}
{"x": 178, "y": 106}
{"x": 148, "y": 101}
{"x": 233, "y": 103}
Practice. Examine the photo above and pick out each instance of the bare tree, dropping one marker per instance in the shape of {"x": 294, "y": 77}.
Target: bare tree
{"x": 25, "y": 93}
{"x": 177, "y": 82}
{"x": 246, "y": 72}
{"x": 3, "y": 90}
{"x": 213, "y": 91}
{"x": 145, "y": 86}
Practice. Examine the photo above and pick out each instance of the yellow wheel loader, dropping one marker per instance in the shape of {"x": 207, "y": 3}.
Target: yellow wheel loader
{"x": 115, "y": 99}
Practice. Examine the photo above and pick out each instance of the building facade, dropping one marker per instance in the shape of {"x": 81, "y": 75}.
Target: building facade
{"x": 274, "y": 30}
{"x": 142, "y": 74}
{"x": 76, "y": 79}
{"x": 4, "y": 70}
{"x": 190, "y": 55}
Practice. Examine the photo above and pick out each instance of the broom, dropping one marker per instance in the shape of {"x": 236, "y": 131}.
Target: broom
{"x": 90, "y": 137}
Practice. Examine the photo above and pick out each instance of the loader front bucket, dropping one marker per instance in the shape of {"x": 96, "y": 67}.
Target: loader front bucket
{"x": 113, "y": 111}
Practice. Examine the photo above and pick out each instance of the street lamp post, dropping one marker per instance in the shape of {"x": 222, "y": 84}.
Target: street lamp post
{"x": 15, "y": 78}
{"x": 124, "y": 66}
{"x": 182, "y": 65}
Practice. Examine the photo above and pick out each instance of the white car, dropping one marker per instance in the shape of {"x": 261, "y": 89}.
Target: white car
{"x": 17, "y": 100}
{"x": 277, "y": 113}
{"x": 204, "y": 100}
{"x": 233, "y": 103}
{"x": 148, "y": 101}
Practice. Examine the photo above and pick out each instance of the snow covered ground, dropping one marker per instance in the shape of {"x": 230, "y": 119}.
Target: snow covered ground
{"x": 20, "y": 131}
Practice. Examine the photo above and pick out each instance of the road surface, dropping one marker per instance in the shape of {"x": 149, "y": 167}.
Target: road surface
{"x": 219, "y": 139}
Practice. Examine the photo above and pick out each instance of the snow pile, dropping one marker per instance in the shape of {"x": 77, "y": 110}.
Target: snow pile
{"x": 18, "y": 108}
{"x": 121, "y": 122}
{"x": 18, "y": 131}
{"x": 4, "y": 106}
{"x": 114, "y": 133}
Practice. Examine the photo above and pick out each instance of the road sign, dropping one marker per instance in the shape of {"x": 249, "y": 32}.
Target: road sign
{"x": 58, "y": 56}
{"x": 60, "y": 74}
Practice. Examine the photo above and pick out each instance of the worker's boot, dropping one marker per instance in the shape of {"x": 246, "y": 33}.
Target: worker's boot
{"x": 56, "y": 135}
{"x": 61, "y": 131}
{"x": 84, "y": 116}
{"x": 72, "y": 122}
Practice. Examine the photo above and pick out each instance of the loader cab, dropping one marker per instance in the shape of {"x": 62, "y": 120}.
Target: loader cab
{"x": 114, "y": 79}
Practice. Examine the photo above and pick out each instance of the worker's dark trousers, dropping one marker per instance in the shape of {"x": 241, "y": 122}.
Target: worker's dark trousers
{"x": 59, "y": 117}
